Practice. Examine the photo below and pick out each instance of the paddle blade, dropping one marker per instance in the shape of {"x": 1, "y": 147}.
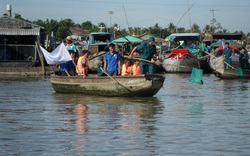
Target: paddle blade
{"x": 239, "y": 72}
{"x": 196, "y": 76}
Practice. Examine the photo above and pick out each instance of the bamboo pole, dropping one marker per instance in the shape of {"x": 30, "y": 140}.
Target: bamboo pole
{"x": 159, "y": 63}
{"x": 41, "y": 58}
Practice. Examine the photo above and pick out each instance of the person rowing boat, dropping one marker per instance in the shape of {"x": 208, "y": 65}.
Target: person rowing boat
{"x": 147, "y": 51}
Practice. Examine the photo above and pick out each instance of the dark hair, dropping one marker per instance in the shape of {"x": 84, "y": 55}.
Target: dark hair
{"x": 71, "y": 51}
{"x": 227, "y": 43}
{"x": 127, "y": 61}
{"x": 84, "y": 52}
{"x": 243, "y": 47}
{"x": 111, "y": 45}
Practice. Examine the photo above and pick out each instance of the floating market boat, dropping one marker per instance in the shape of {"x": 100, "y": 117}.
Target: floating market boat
{"x": 181, "y": 50}
{"x": 120, "y": 86}
{"x": 216, "y": 52}
{"x": 232, "y": 74}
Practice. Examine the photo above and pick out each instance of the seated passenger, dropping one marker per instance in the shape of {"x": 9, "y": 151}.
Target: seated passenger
{"x": 64, "y": 69}
{"x": 83, "y": 64}
{"x": 126, "y": 68}
{"x": 99, "y": 66}
{"x": 136, "y": 67}
{"x": 72, "y": 67}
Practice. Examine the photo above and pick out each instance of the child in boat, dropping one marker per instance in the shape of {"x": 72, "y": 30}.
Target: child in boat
{"x": 64, "y": 69}
{"x": 136, "y": 67}
{"x": 127, "y": 68}
{"x": 83, "y": 64}
{"x": 72, "y": 64}
{"x": 99, "y": 66}
{"x": 243, "y": 58}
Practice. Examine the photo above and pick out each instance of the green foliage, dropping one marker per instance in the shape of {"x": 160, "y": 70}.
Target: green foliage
{"x": 40, "y": 23}
{"x": 87, "y": 25}
{"x": 62, "y": 32}
{"x": 61, "y": 28}
{"x": 18, "y": 16}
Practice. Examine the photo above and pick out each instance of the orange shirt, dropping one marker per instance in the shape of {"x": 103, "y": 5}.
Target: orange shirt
{"x": 136, "y": 69}
{"x": 126, "y": 70}
{"x": 80, "y": 66}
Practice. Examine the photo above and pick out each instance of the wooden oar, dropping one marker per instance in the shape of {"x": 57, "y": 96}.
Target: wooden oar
{"x": 114, "y": 79}
{"x": 238, "y": 70}
{"x": 196, "y": 74}
{"x": 160, "y": 63}
{"x": 96, "y": 56}
{"x": 223, "y": 61}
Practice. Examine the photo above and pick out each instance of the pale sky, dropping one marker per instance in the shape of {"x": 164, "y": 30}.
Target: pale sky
{"x": 232, "y": 14}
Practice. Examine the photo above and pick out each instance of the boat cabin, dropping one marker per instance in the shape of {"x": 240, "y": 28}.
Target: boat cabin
{"x": 222, "y": 38}
{"x": 227, "y": 36}
{"x": 98, "y": 41}
{"x": 181, "y": 44}
{"x": 183, "y": 40}
{"x": 17, "y": 42}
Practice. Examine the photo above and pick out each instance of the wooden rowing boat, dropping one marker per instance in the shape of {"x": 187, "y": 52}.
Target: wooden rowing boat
{"x": 219, "y": 71}
{"x": 123, "y": 86}
{"x": 232, "y": 74}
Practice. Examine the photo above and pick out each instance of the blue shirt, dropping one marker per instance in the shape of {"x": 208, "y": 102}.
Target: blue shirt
{"x": 71, "y": 47}
{"x": 227, "y": 52}
{"x": 146, "y": 51}
{"x": 112, "y": 61}
{"x": 244, "y": 55}
{"x": 65, "y": 66}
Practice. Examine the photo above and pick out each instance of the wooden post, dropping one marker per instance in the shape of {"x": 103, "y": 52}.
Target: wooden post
{"x": 41, "y": 58}
{"x": 47, "y": 41}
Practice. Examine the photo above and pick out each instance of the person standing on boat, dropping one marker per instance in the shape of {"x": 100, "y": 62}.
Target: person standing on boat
{"x": 70, "y": 46}
{"x": 147, "y": 51}
{"x": 243, "y": 58}
{"x": 112, "y": 62}
{"x": 227, "y": 55}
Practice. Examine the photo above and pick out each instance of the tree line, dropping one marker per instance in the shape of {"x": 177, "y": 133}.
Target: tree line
{"x": 61, "y": 28}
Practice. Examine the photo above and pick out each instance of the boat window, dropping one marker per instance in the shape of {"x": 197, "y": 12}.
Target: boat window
{"x": 102, "y": 38}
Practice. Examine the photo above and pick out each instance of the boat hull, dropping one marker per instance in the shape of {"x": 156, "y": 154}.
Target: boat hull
{"x": 179, "y": 66}
{"x": 120, "y": 86}
{"x": 218, "y": 69}
{"x": 232, "y": 74}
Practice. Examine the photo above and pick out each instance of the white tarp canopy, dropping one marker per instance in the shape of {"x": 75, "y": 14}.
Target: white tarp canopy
{"x": 58, "y": 56}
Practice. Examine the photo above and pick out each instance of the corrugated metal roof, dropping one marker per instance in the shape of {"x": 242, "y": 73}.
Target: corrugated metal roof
{"x": 8, "y": 22}
{"x": 12, "y": 26}
{"x": 15, "y": 31}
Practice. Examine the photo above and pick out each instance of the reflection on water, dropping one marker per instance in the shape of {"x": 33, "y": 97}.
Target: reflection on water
{"x": 182, "y": 119}
{"x": 132, "y": 118}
